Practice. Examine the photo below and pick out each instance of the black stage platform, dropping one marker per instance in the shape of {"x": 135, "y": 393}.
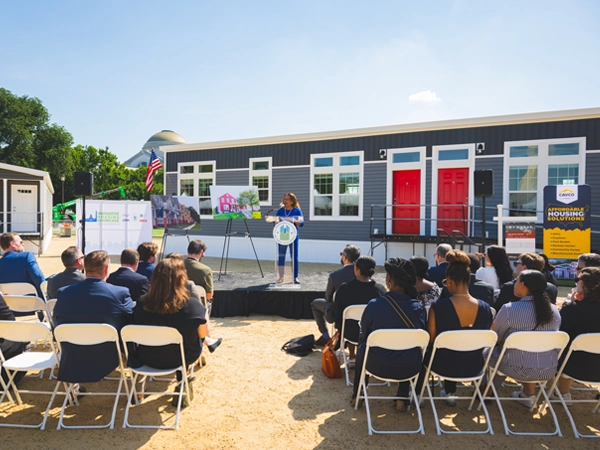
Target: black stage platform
{"x": 243, "y": 294}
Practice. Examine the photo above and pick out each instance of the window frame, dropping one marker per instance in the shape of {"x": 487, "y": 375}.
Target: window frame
{"x": 336, "y": 170}
{"x": 196, "y": 177}
{"x": 543, "y": 161}
{"x": 269, "y": 173}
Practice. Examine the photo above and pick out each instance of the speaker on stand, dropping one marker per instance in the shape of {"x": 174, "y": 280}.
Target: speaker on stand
{"x": 484, "y": 187}
{"x": 84, "y": 187}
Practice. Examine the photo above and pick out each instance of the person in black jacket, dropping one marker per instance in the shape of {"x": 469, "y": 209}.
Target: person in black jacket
{"x": 72, "y": 259}
{"x": 526, "y": 261}
{"x": 126, "y": 275}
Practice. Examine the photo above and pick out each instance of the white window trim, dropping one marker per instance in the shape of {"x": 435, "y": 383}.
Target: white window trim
{"x": 392, "y": 167}
{"x": 542, "y": 160}
{"x": 268, "y": 173}
{"x": 195, "y": 177}
{"x": 336, "y": 170}
{"x": 437, "y": 164}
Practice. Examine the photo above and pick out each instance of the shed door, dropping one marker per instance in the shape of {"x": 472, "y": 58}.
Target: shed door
{"x": 453, "y": 194}
{"x": 407, "y": 191}
{"x": 24, "y": 208}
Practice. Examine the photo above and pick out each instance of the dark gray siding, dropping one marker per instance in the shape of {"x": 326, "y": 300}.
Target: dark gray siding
{"x": 233, "y": 178}
{"x": 298, "y": 153}
{"x": 374, "y": 193}
{"x": 171, "y": 184}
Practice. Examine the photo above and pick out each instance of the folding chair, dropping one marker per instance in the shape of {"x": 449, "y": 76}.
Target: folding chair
{"x": 154, "y": 336}
{"x": 461, "y": 341}
{"x": 44, "y": 289}
{"x": 18, "y": 289}
{"x": 50, "y": 304}
{"x": 533, "y": 342}
{"x": 589, "y": 343}
{"x": 202, "y": 292}
{"x": 27, "y": 361}
{"x": 27, "y": 304}
{"x": 397, "y": 340}
{"x": 88, "y": 334}
{"x": 353, "y": 312}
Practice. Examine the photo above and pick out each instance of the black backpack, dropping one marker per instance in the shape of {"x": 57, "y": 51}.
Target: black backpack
{"x": 300, "y": 346}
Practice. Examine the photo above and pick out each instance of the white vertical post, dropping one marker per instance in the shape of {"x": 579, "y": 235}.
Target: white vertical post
{"x": 500, "y": 226}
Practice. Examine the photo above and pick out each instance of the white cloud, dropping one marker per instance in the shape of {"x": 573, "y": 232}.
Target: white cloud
{"x": 427, "y": 96}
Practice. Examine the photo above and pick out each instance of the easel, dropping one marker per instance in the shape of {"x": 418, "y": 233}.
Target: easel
{"x": 228, "y": 234}
{"x": 171, "y": 232}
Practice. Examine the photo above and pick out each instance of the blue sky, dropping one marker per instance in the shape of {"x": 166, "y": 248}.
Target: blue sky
{"x": 115, "y": 72}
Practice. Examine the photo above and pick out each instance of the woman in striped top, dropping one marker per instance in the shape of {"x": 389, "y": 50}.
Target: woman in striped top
{"x": 533, "y": 312}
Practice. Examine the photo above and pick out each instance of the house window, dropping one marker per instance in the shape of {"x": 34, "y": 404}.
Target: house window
{"x": 531, "y": 165}
{"x": 195, "y": 180}
{"x": 336, "y": 186}
{"x": 260, "y": 176}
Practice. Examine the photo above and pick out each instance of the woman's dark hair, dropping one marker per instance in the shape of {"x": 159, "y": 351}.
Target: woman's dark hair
{"x": 168, "y": 293}
{"x": 421, "y": 266}
{"x": 366, "y": 265}
{"x": 535, "y": 282}
{"x": 590, "y": 276}
{"x": 501, "y": 263}
{"x": 458, "y": 270}
{"x": 403, "y": 273}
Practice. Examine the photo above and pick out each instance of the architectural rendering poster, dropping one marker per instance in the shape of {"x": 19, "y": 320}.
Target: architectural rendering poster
{"x": 180, "y": 213}
{"x": 567, "y": 220}
{"x": 114, "y": 225}
{"x": 235, "y": 202}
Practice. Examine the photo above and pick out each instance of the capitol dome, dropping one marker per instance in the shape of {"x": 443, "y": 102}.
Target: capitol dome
{"x": 164, "y": 137}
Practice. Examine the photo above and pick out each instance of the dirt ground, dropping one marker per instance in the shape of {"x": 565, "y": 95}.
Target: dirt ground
{"x": 251, "y": 395}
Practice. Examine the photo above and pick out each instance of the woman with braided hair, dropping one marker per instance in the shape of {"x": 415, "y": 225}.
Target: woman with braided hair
{"x": 380, "y": 314}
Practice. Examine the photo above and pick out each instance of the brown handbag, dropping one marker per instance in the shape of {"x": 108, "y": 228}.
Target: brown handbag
{"x": 329, "y": 361}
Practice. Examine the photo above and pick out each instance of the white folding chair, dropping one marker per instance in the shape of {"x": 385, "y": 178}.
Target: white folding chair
{"x": 154, "y": 336}
{"x": 50, "y": 304}
{"x": 589, "y": 343}
{"x": 27, "y": 304}
{"x": 18, "y": 289}
{"x": 353, "y": 312}
{"x": 44, "y": 289}
{"x": 532, "y": 342}
{"x": 27, "y": 361}
{"x": 462, "y": 341}
{"x": 202, "y": 293}
{"x": 88, "y": 334}
{"x": 396, "y": 340}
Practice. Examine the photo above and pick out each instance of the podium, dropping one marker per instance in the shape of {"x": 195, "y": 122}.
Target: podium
{"x": 285, "y": 234}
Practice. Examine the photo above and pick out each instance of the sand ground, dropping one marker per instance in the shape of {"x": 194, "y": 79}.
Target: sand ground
{"x": 251, "y": 395}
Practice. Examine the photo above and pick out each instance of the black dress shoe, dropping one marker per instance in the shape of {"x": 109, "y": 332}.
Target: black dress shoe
{"x": 321, "y": 341}
{"x": 212, "y": 347}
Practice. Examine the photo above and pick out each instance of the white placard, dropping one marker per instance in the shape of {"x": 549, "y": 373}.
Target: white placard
{"x": 114, "y": 225}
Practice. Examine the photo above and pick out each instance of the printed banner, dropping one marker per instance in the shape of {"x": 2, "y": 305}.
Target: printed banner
{"x": 567, "y": 220}
{"x": 520, "y": 237}
{"x": 181, "y": 213}
{"x": 114, "y": 225}
{"x": 235, "y": 202}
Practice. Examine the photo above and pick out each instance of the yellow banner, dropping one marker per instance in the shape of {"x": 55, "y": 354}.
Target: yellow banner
{"x": 566, "y": 243}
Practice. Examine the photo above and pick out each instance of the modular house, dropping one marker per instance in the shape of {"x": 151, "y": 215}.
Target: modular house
{"x": 393, "y": 190}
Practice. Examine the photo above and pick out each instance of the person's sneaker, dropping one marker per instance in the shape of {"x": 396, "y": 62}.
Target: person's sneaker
{"x": 567, "y": 397}
{"x": 523, "y": 399}
{"x": 449, "y": 400}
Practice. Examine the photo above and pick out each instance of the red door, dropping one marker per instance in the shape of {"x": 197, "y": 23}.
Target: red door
{"x": 407, "y": 191}
{"x": 453, "y": 194}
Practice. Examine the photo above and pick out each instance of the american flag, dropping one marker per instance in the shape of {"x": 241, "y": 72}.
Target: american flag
{"x": 153, "y": 166}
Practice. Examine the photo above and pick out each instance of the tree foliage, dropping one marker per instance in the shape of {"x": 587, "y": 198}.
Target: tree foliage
{"x": 28, "y": 139}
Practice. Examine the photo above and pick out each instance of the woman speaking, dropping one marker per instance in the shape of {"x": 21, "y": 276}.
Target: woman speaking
{"x": 289, "y": 211}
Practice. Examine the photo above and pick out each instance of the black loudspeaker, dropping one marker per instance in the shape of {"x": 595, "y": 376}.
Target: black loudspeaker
{"x": 484, "y": 183}
{"x": 84, "y": 184}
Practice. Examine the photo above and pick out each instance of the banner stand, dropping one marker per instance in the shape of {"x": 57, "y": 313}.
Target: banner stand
{"x": 171, "y": 232}
{"x": 225, "y": 256}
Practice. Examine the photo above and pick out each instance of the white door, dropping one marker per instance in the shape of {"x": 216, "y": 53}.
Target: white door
{"x": 24, "y": 208}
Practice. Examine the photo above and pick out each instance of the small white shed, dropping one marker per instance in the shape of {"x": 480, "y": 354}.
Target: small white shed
{"x": 26, "y": 205}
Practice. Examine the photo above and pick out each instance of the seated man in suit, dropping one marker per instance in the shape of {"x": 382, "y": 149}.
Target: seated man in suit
{"x": 147, "y": 251}
{"x": 481, "y": 290}
{"x": 92, "y": 301}
{"x": 531, "y": 261}
{"x": 17, "y": 265}
{"x": 322, "y": 308}
{"x": 438, "y": 273}
{"x": 72, "y": 259}
{"x": 126, "y": 275}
